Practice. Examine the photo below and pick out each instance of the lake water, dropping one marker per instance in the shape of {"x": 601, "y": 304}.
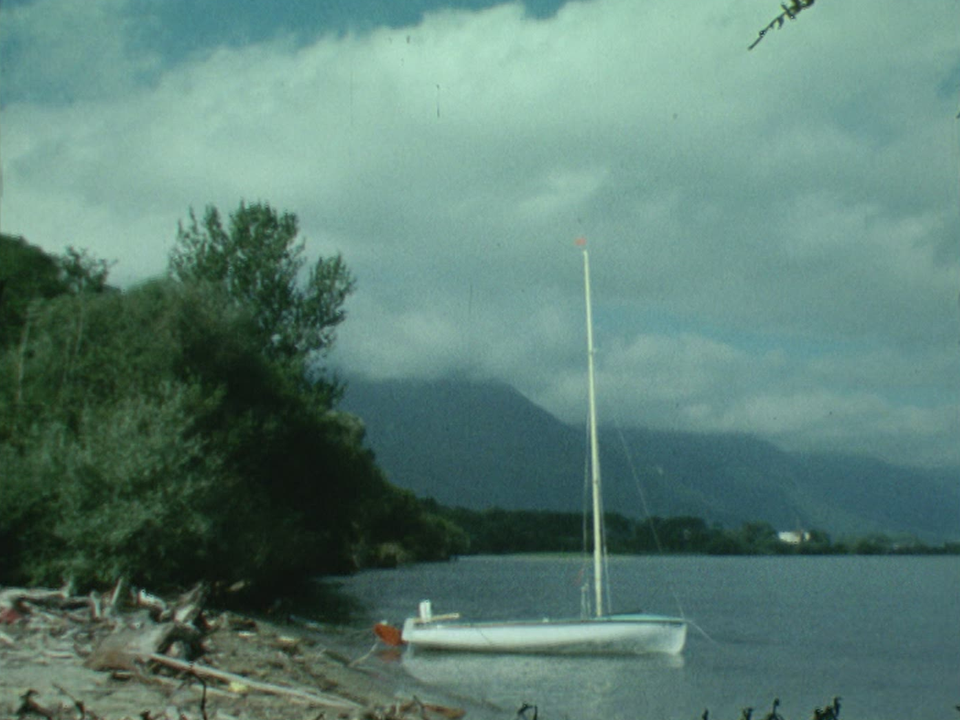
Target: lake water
{"x": 881, "y": 632}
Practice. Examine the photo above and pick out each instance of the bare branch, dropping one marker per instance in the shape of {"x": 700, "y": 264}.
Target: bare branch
{"x": 789, "y": 12}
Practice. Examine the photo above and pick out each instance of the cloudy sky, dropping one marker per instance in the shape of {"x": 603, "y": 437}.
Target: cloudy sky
{"x": 774, "y": 234}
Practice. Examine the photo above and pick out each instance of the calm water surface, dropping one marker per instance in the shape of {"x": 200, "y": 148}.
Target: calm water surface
{"x": 881, "y": 632}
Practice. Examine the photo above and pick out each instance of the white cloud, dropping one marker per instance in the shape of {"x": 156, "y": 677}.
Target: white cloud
{"x": 849, "y": 422}
{"x": 768, "y": 229}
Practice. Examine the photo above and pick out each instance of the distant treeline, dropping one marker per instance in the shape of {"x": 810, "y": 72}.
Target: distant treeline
{"x": 499, "y": 531}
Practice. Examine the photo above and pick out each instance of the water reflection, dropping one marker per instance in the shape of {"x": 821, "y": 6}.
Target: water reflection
{"x": 591, "y": 686}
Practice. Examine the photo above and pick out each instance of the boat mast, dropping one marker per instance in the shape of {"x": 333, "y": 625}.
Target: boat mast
{"x": 594, "y": 451}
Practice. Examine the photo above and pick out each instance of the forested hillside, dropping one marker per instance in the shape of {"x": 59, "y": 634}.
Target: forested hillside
{"x": 484, "y": 445}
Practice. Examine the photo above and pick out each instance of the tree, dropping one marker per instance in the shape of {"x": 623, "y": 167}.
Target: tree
{"x": 172, "y": 433}
{"x": 27, "y": 274}
{"x": 167, "y": 448}
{"x": 33, "y": 283}
{"x": 258, "y": 259}
{"x": 81, "y": 272}
{"x": 679, "y": 534}
{"x": 759, "y": 538}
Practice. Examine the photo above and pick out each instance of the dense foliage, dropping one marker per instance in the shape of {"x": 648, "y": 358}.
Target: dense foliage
{"x": 170, "y": 433}
{"x": 258, "y": 262}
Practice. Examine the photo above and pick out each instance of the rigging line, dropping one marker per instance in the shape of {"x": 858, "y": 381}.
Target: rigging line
{"x": 700, "y": 630}
{"x": 646, "y": 507}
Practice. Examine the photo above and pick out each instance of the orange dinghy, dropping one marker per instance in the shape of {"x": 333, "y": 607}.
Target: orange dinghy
{"x": 388, "y": 634}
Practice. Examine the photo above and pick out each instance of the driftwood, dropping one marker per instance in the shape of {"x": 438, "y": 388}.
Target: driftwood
{"x": 138, "y": 636}
{"x": 423, "y": 708}
{"x": 185, "y": 610}
{"x": 155, "y": 629}
{"x": 126, "y": 648}
{"x": 30, "y": 705}
{"x": 240, "y": 681}
{"x": 19, "y": 599}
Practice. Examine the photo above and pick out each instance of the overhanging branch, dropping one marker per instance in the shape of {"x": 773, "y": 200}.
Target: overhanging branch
{"x": 790, "y": 12}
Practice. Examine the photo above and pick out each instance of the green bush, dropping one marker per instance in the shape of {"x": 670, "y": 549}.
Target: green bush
{"x": 184, "y": 429}
{"x": 131, "y": 489}
{"x": 147, "y": 436}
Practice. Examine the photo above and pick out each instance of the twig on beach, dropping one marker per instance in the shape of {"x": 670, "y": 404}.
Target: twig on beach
{"x": 522, "y": 712}
{"x": 205, "y": 671}
{"x": 28, "y": 705}
{"x": 84, "y": 713}
{"x": 203, "y": 697}
{"x": 371, "y": 651}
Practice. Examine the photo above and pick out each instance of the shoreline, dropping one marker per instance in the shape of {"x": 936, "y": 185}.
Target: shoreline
{"x": 60, "y": 660}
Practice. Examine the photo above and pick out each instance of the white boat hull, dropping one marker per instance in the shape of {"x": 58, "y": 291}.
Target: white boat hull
{"x": 628, "y": 634}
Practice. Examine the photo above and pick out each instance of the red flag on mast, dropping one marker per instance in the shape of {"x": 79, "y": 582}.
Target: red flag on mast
{"x": 580, "y": 242}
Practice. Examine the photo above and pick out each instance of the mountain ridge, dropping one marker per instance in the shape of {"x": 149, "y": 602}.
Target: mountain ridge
{"x": 483, "y": 444}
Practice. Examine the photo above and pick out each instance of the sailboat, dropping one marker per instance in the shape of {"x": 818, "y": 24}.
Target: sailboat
{"x": 631, "y": 633}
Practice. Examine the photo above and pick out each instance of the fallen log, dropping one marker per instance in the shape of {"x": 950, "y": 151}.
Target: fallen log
{"x": 232, "y": 679}
{"x": 15, "y": 598}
